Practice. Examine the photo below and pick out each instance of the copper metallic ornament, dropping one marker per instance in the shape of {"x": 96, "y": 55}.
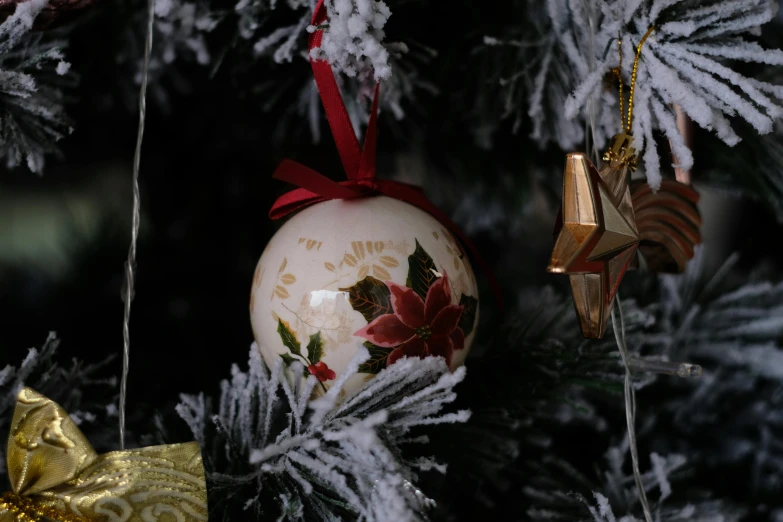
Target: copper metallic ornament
{"x": 669, "y": 224}
{"x": 57, "y": 476}
{"x": 597, "y": 236}
{"x": 601, "y": 227}
{"x": 605, "y": 222}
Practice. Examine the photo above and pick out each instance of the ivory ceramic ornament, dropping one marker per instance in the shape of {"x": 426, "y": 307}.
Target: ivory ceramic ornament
{"x": 373, "y": 271}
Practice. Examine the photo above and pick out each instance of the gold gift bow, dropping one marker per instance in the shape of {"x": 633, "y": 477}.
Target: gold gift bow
{"x": 56, "y": 475}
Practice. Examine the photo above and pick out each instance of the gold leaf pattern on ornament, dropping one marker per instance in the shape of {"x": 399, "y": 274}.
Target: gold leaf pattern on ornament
{"x": 455, "y": 250}
{"x": 366, "y": 259}
{"x": 257, "y": 277}
{"x": 380, "y": 273}
{"x": 310, "y": 243}
{"x": 448, "y": 237}
{"x": 283, "y": 280}
{"x": 461, "y": 284}
{"x": 389, "y": 261}
{"x": 435, "y": 235}
{"x": 367, "y": 256}
{"x": 358, "y": 249}
{"x": 403, "y": 247}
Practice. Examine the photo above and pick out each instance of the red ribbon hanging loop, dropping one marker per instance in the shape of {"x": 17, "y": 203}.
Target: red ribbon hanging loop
{"x": 359, "y": 163}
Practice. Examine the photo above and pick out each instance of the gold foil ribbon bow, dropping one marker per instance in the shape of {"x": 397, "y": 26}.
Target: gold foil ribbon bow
{"x": 57, "y": 476}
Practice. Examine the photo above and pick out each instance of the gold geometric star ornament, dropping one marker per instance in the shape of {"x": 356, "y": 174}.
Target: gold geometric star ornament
{"x": 606, "y": 222}
{"x": 596, "y": 233}
{"x": 57, "y": 476}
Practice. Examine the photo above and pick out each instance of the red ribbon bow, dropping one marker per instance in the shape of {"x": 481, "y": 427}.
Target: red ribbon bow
{"x": 359, "y": 164}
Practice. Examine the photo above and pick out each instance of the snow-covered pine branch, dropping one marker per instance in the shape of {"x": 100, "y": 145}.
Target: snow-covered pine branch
{"x": 559, "y": 492}
{"x": 353, "y": 37}
{"x": 294, "y": 456}
{"x": 353, "y": 43}
{"x": 32, "y": 115}
{"x": 533, "y": 67}
{"x": 181, "y": 29}
{"x": 684, "y": 62}
{"x": 735, "y": 331}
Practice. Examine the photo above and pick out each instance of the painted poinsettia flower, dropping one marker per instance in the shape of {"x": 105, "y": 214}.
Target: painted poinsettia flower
{"x": 321, "y": 371}
{"x": 418, "y": 328}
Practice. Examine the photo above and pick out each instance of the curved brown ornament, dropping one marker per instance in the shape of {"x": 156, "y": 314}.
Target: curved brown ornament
{"x": 58, "y": 11}
{"x": 669, "y": 224}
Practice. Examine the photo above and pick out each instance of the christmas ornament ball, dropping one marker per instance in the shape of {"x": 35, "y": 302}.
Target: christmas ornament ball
{"x": 373, "y": 271}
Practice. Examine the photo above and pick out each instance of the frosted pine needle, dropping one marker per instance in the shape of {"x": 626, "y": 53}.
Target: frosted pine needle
{"x": 685, "y": 63}
{"x": 353, "y": 37}
{"x": 182, "y": 28}
{"x": 322, "y": 459}
{"x": 559, "y": 492}
{"x": 353, "y": 43}
{"x": 32, "y": 116}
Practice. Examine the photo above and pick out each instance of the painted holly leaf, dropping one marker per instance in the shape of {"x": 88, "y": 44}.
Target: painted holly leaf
{"x": 370, "y": 297}
{"x": 421, "y": 269}
{"x": 468, "y": 319}
{"x": 288, "y": 359}
{"x": 315, "y": 348}
{"x": 289, "y": 337}
{"x": 377, "y": 360}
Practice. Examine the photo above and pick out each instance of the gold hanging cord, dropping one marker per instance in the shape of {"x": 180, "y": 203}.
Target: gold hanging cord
{"x": 633, "y": 78}
{"x": 621, "y": 150}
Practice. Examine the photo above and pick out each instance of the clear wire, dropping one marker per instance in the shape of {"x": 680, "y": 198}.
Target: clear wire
{"x": 630, "y": 396}
{"x": 130, "y": 264}
{"x": 630, "y": 406}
